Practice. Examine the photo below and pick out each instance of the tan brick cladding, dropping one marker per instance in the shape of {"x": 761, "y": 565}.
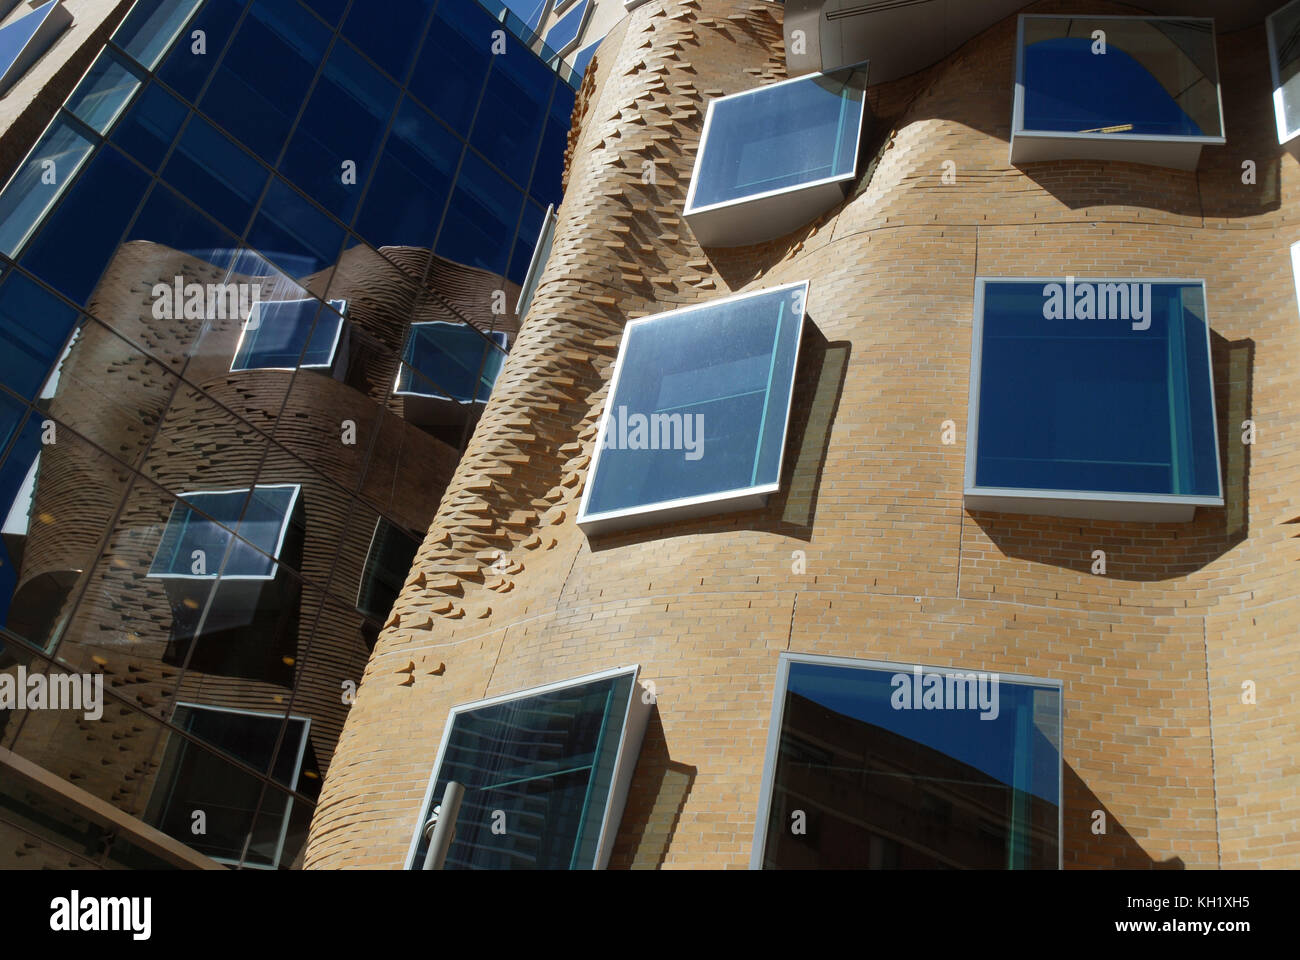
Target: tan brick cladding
{"x": 1153, "y": 654}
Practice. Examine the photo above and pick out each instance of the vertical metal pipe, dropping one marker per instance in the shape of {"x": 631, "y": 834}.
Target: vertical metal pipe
{"x": 444, "y": 826}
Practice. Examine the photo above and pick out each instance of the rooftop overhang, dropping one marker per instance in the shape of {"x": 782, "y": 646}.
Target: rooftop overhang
{"x": 900, "y": 37}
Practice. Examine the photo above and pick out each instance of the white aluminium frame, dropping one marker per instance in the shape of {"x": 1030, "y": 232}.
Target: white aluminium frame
{"x": 1295, "y": 270}
{"x": 742, "y": 498}
{"x": 500, "y": 337}
{"x": 690, "y": 208}
{"x": 297, "y": 774}
{"x": 1085, "y": 504}
{"x": 778, "y": 718}
{"x": 247, "y": 491}
{"x": 545, "y": 238}
{"x": 636, "y": 713}
{"x": 1177, "y": 151}
{"x": 329, "y": 308}
{"x": 583, "y": 19}
{"x": 1279, "y": 101}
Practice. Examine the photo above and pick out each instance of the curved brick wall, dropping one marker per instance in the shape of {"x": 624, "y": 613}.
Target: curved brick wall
{"x": 1153, "y": 654}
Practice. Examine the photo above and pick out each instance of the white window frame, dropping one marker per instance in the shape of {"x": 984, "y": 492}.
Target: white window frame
{"x": 246, "y": 491}
{"x": 1164, "y": 150}
{"x": 778, "y": 717}
{"x": 297, "y": 775}
{"x": 1295, "y": 270}
{"x": 705, "y": 504}
{"x": 636, "y": 713}
{"x": 738, "y": 226}
{"x": 500, "y": 337}
{"x": 332, "y": 308}
{"x": 1079, "y": 504}
{"x": 545, "y": 238}
{"x": 1279, "y": 102}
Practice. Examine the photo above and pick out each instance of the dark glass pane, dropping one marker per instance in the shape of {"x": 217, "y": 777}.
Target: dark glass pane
{"x": 1285, "y": 24}
{"x": 406, "y": 197}
{"x": 186, "y": 70}
{"x": 547, "y": 762}
{"x": 167, "y": 220}
{"x": 29, "y": 194}
{"x": 297, "y": 236}
{"x": 147, "y": 128}
{"x": 513, "y": 111}
{"x": 104, "y": 90}
{"x": 700, "y": 403}
{"x": 388, "y": 35}
{"x": 286, "y": 334}
{"x": 388, "y": 564}
{"x": 1057, "y": 396}
{"x": 79, "y": 237}
{"x": 214, "y": 173}
{"x": 343, "y": 123}
{"x": 265, "y": 75}
{"x": 479, "y": 229}
{"x": 893, "y": 770}
{"x": 530, "y": 229}
{"x": 549, "y": 174}
{"x": 34, "y": 325}
{"x": 1156, "y": 77}
{"x": 449, "y": 75}
{"x": 150, "y": 26}
{"x": 331, "y": 10}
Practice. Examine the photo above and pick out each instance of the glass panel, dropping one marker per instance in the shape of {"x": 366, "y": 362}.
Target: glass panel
{"x": 1285, "y": 26}
{"x": 700, "y": 403}
{"x": 449, "y": 358}
{"x": 34, "y": 325}
{"x": 265, "y": 75}
{"x": 536, "y": 261}
{"x": 389, "y": 38}
{"x": 149, "y": 28}
{"x": 1063, "y": 369}
{"x": 547, "y": 761}
{"x": 565, "y": 31}
{"x": 548, "y": 175}
{"x": 50, "y": 166}
{"x": 583, "y": 57}
{"x": 893, "y": 770}
{"x": 195, "y": 541}
{"x": 778, "y": 137}
{"x": 103, "y": 91}
{"x": 479, "y": 229}
{"x": 167, "y": 220}
{"x": 514, "y": 107}
{"x": 148, "y": 127}
{"x": 330, "y": 10}
{"x": 344, "y": 121}
{"x": 449, "y": 76}
{"x": 1157, "y": 77}
{"x": 214, "y": 173}
{"x": 294, "y": 233}
{"x": 388, "y": 563}
{"x": 285, "y": 334}
{"x": 185, "y": 69}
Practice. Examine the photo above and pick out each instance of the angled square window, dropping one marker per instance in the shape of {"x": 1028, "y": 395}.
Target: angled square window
{"x": 1137, "y": 89}
{"x": 239, "y": 829}
{"x": 545, "y": 772}
{"x": 444, "y": 360}
{"x": 566, "y": 31}
{"x": 774, "y": 158}
{"x": 289, "y": 334}
{"x": 897, "y": 766}
{"x": 24, "y": 40}
{"x": 1093, "y": 399}
{"x": 388, "y": 562}
{"x": 198, "y": 532}
{"x": 696, "y": 419}
{"x": 1284, "y": 58}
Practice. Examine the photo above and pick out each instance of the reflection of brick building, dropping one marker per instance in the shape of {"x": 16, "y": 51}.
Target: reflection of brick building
{"x": 867, "y": 550}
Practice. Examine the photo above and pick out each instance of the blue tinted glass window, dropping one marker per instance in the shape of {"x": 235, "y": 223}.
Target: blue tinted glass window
{"x": 150, "y": 27}
{"x": 147, "y": 128}
{"x": 388, "y": 564}
{"x": 775, "y": 138}
{"x": 1156, "y": 77}
{"x": 214, "y": 173}
{"x": 548, "y": 760}
{"x": 202, "y": 522}
{"x": 104, "y": 90}
{"x": 446, "y": 360}
{"x": 564, "y": 33}
{"x": 479, "y": 230}
{"x": 525, "y": 248}
{"x": 700, "y": 402}
{"x": 34, "y": 325}
{"x": 185, "y": 69}
{"x": 514, "y": 109}
{"x": 168, "y": 220}
{"x": 331, "y": 10}
{"x": 583, "y": 57}
{"x": 293, "y": 233}
{"x": 78, "y": 238}
{"x": 388, "y": 36}
{"x": 1059, "y": 388}
{"x": 548, "y": 176}
{"x": 344, "y": 121}
{"x": 449, "y": 76}
{"x": 29, "y": 194}
{"x": 265, "y": 75}
{"x": 405, "y": 199}
{"x": 529, "y": 12}
{"x": 948, "y": 768}
{"x": 284, "y": 334}
{"x": 24, "y": 40}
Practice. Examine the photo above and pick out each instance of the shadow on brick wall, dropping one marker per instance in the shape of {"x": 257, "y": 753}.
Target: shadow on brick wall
{"x": 660, "y": 788}
{"x": 1115, "y": 847}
